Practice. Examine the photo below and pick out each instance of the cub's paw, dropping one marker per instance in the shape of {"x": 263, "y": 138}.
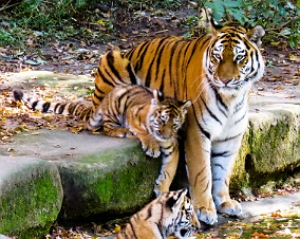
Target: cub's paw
{"x": 151, "y": 148}
{"x": 208, "y": 216}
{"x": 118, "y": 132}
{"x": 231, "y": 208}
{"x": 130, "y": 135}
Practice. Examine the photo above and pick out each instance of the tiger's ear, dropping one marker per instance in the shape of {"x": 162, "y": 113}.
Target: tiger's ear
{"x": 174, "y": 202}
{"x": 185, "y": 107}
{"x": 256, "y": 34}
{"x": 214, "y": 27}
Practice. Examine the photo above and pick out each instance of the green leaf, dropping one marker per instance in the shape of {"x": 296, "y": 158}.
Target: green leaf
{"x": 217, "y": 8}
{"x": 237, "y": 14}
{"x": 232, "y": 4}
{"x": 285, "y": 32}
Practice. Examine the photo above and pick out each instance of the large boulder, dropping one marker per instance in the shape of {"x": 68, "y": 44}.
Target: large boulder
{"x": 271, "y": 146}
{"x": 101, "y": 176}
{"x": 30, "y": 196}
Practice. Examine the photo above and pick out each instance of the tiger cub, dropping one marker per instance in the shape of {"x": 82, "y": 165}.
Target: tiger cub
{"x": 171, "y": 214}
{"x": 134, "y": 110}
{"x": 131, "y": 111}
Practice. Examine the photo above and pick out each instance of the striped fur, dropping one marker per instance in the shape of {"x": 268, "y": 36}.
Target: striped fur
{"x": 215, "y": 72}
{"x": 131, "y": 111}
{"x": 170, "y": 214}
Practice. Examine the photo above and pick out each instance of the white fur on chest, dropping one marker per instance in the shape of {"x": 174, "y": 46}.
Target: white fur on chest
{"x": 225, "y": 122}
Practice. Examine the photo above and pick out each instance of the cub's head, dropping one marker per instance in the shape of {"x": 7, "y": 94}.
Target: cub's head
{"x": 182, "y": 220}
{"x": 166, "y": 116}
{"x": 233, "y": 60}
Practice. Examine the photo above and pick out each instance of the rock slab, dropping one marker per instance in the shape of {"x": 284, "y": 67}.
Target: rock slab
{"x": 30, "y": 196}
{"x": 100, "y": 175}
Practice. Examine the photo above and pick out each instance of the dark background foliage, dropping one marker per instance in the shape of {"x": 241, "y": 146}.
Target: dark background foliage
{"x": 40, "y": 20}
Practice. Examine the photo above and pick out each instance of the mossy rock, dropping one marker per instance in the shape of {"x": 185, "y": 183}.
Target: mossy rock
{"x": 30, "y": 196}
{"x": 271, "y": 146}
{"x": 101, "y": 176}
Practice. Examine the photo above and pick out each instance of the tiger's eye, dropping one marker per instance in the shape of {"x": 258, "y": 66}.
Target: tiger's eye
{"x": 239, "y": 57}
{"x": 218, "y": 57}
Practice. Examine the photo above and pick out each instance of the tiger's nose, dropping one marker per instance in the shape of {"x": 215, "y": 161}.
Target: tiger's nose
{"x": 227, "y": 81}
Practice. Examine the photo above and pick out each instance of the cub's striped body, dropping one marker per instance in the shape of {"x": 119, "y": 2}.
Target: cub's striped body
{"x": 170, "y": 214}
{"x": 131, "y": 111}
{"x": 215, "y": 72}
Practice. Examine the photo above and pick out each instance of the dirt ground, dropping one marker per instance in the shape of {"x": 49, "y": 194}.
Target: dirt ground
{"x": 82, "y": 57}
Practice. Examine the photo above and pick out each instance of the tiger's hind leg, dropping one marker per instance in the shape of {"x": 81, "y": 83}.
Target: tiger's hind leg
{"x": 167, "y": 172}
{"x": 96, "y": 119}
{"x": 115, "y": 130}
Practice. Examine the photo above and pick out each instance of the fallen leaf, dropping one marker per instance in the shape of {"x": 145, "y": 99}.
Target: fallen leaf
{"x": 293, "y": 57}
{"x": 117, "y": 229}
{"x": 259, "y": 235}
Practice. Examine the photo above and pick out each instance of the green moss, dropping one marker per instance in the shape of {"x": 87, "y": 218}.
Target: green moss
{"x": 239, "y": 177}
{"x": 270, "y": 146}
{"x": 274, "y": 147}
{"x": 113, "y": 182}
{"x": 29, "y": 208}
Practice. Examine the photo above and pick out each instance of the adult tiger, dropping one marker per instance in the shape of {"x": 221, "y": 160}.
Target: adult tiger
{"x": 216, "y": 72}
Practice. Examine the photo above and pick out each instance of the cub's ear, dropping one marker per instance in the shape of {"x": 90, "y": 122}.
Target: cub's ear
{"x": 184, "y": 108}
{"x": 157, "y": 97}
{"x": 175, "y": 201}
{"x": 256, "y": 34}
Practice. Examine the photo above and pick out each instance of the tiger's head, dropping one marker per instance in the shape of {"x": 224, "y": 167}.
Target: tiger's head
{"x": 233, "y": 60}
{"x": 182, "y": 219}
{"x": 166, "y": 116}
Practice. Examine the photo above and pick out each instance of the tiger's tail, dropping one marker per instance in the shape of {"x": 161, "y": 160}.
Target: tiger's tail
{"x": 80, "y": 109}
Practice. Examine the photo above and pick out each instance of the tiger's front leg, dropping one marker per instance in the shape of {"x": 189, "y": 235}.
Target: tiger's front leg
{"x": 223, "y": 156}
{"x": 198, "y": 150}
{"x": 149, "y": 145}
{"x": 167, "y": 171}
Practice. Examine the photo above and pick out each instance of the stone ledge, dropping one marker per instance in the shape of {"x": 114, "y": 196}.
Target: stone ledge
{"x": 100, "y": 175}
{"x": 271, "y": 147}
{"x": 30, "y": 196}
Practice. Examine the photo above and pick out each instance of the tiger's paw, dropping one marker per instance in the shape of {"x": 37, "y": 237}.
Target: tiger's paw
{"x": 160, "y": 188}
{"x": 231, "y": 208}
{"x": 119, "y": 132}
{"x": 157, "y": 191}
{"x": 208, "y": 216}
{"x": 130, "y": 135}
{"x": 152, "y": 149}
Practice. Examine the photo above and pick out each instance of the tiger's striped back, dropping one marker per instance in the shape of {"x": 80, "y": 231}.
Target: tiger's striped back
{"x": 170, "y": 214}
{"x": 114, "y": 69}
